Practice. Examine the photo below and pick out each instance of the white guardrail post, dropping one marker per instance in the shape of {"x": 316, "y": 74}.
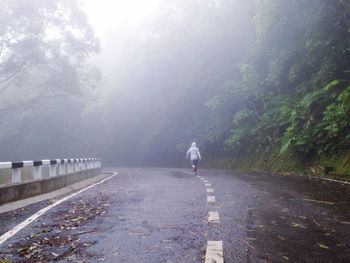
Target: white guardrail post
{"x": 53, "y": 168}
{"x": 16, "y": 172}
{"x": 38, "y": 169}
{"x": 76, "y": 165}
{"x": 65, "y": 166}
{"x": 60, "y": 164}
{"x": 46, "y": 163}
{"x": 80, "y": 164}
{"x": 71, "y": 166}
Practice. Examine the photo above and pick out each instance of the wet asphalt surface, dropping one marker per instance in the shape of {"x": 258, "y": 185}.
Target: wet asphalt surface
{"x": 161, "y": 215}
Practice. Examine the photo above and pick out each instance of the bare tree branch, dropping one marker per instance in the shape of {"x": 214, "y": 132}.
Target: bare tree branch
{"x": 9, "y": 80}
{"x": 2, "y": 45}
{"x": 10, "y": 109}
{"x": 12, "y": 75}
{"x": 6, "y": 86}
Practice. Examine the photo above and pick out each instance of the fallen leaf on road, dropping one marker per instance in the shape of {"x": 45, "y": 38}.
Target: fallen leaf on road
{"x": 318, "y": 201}
{"x": 298, "y": 225}
{"x": 317, "y": 223}
{"x": 71, "y": 257}
{"x": 285, "y": 258}
{"x": 281, "y": 237}
{"x": 250, "y": 238}
{"x": 23, "y": 250}
{"x": 87, "y": 244}
{"x": 323, "y": 246}
{"x": 246, "y": 243}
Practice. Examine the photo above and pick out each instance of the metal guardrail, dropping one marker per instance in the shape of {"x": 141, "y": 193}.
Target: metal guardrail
{"x": 56, "y": 167}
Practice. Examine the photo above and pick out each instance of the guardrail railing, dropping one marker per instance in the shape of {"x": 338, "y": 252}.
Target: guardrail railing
{"x": 56, "y": 167}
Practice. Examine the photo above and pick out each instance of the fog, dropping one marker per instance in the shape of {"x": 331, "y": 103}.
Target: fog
{"x": 127, "y": 81}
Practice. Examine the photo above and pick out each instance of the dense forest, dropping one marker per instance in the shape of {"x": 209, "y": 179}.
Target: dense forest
{"x": 258, "y": 84}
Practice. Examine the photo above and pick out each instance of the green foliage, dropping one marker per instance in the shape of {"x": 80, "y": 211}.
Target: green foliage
{"x": 43, "y": 50}
{"x": 294, "y": 82}
{"x": 263, "y": 82}
{"x": 269, "y": 81}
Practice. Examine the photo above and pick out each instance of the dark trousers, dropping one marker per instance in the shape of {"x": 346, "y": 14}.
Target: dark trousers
{"x": 194, "y": 163}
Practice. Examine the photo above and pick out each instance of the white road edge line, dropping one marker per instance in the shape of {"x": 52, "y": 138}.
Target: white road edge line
{"x": 326, "y": 179}
{"x": 213, "y": 217}
{"x": 32, "y": 218}
{"x": 214, "y": 252}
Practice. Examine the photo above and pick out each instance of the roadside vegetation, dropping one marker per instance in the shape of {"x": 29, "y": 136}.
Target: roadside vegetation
{"x": 294, "y": 91}
{"x": 267, "y": 88}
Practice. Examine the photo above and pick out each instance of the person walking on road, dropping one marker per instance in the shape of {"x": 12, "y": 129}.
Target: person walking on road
{"x": 194, "y": 155}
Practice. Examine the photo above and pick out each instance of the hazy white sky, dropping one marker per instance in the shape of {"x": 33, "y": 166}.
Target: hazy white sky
{"x": 112, "y": 16}
{"x": 115, "y": 23}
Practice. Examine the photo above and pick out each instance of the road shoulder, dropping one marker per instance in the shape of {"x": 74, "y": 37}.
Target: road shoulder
{"x": 63, "y": 191}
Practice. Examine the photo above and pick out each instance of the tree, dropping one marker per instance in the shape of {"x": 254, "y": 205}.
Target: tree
{"x": 43, "y": 46}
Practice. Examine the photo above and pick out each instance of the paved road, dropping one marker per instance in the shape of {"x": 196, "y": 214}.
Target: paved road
{"x": 162, "y": 215}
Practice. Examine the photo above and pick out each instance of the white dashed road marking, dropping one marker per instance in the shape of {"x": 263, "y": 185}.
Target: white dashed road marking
{"x": 211, "y": 199}
{"x": 214, "y": 217}
{"x": 32, "y": 218}
{"x": 214, "y": 253}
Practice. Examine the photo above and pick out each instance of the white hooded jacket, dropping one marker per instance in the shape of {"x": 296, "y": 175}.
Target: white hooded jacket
{"x": 193, "y": 152}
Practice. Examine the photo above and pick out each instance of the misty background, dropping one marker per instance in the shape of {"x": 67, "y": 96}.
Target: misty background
{"x": 154, "y": 71}
{"x": 135, "y": 82}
